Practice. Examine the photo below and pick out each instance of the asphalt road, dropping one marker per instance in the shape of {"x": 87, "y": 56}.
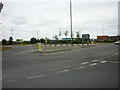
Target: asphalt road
{"x": 90, "y": 67}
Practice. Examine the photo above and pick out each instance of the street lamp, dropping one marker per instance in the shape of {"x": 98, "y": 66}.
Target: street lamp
{"x": 71, "y": 22}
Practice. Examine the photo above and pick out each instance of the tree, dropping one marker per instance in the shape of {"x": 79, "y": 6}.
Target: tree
{"x": 78, "y": 35}
{"x": 1, "y": 6}
{"x": 42, "y": 40}
{"x": 33, "y": 40}
{"x": 66, "y": 33}
{"x": 10, "y": 40}
{"x": 19, "y": 41}
{"x": 56, "y": 37}
{"x": 4, "y": 41}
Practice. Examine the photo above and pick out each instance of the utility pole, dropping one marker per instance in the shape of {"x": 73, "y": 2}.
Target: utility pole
{"x": 12, "y": 32}
{"x": 71, "y": 22}
{"x": 102, "y": 29}
{"x": 37, "y": 35}
{"x": 60, "y": 34}
{"x": 80, "y": 32}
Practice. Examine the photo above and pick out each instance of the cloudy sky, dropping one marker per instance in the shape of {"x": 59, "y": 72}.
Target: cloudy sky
{"x": 48, "y": 17}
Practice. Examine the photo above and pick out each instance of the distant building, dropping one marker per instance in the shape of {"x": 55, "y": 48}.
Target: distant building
{"x": 113, "y": 38}
{"x": 102, "y": 38}
{"x": 107, "y": 38}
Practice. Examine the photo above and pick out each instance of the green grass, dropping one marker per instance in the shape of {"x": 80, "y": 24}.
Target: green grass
{"x": 5, "y": 48}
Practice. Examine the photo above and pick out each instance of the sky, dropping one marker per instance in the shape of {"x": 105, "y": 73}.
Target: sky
{"x": 24, "y": 19}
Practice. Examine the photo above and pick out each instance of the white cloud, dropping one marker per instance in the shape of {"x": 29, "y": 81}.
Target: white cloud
{"x": 49, "y": 16}
{"x": 60, "y": 0}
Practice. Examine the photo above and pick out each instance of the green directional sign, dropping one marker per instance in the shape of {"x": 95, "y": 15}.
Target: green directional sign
{"x": 85, "y": 36}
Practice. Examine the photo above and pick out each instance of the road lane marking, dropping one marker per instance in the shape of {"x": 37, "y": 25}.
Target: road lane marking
{"x": 79, "y": 67}
{"x": 95, "y": 60}
{"x": 114, "y": 61}
{"x": 37, "y": 76}
{"x": 103, "y": 61}
{"x": 83, "y": 63}
{"x": 93, "y": 64}
{"x": 62, "y": 71}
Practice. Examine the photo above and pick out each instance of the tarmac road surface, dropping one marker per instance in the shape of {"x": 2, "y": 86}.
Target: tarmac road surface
{"x": 90, "y": 67}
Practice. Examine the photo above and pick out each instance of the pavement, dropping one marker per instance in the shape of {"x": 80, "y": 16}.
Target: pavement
{"x": 94, "y": 66}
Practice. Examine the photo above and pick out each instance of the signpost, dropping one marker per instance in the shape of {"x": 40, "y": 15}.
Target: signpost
{"x": 85, "y": 37}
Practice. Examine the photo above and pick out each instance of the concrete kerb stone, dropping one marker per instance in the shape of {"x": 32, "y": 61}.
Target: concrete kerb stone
{"x": 52, "y": 50}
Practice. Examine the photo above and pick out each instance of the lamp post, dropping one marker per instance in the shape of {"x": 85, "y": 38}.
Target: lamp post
{"x": 71, "y": 22}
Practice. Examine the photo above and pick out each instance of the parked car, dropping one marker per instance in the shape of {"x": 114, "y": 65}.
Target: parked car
{"x": 118, "y": 42}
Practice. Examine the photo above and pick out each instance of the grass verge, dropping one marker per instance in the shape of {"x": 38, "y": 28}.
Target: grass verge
{"x": 5, "y": 48}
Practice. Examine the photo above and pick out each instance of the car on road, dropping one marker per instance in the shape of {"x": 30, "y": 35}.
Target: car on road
{"x": 118, "y": 42}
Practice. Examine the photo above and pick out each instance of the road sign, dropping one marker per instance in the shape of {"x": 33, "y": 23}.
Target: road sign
{"x": 85, "y": 36}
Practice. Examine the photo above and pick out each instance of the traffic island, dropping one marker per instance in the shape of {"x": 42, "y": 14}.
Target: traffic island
{"x": 52, "y": 51}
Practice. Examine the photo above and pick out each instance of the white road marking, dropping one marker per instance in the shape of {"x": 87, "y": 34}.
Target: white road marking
{"x": 79, "y": 67}
{"x": 38, "y": 76}
{"x": 66, "y": 70}
{"x": 103, "y": 61}
{"x": 93, "y": 64}
{"x": 62, "y": 71}
{"x": 95, "y": 60}
{"x": 114, "y": 61}
{"x": 83, "y": 63}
